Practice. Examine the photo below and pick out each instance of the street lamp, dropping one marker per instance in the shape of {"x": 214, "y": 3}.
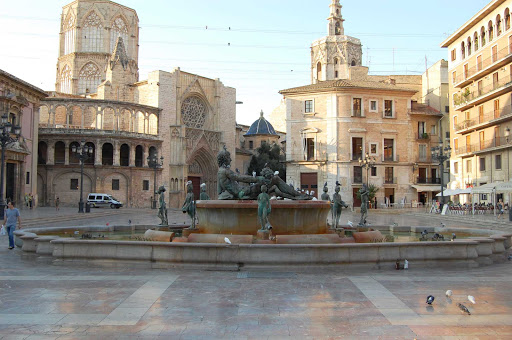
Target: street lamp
{"x": 6, "y": 139}
{"x": 441, "y": 155}
{"x": 368, "y": 163}
{"x": 155, "y": 164}
{"x": 82, "y": 152}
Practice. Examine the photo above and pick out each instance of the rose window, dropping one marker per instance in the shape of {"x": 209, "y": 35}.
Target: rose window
{"x": 193, "y": 112}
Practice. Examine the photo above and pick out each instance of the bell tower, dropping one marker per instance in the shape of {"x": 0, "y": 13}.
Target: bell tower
{"x": 334, "y": 54}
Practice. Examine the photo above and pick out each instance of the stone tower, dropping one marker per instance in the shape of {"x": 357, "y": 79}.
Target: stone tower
{"x": 333, "y": 55}
{"x": 88, "y": 36}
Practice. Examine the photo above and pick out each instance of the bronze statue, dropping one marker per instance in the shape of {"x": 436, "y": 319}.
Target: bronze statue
{"x": 162, "y": 209}
{"x": 204, "y": 196}
{"x": 325, "y": 197}
{"x": 264, "y": 208}
{"x": 227, "y": 186}
{"x": 189, "y": 206}
{"x": 280, "y": 188}
{"x": 336, "y": 207}
{"x": 365, "y": 193}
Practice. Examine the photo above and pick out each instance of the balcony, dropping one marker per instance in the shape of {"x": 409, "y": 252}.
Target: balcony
{"x": 390, "y": 158}
{"x": 357, "y": 113}
{"x": 487, "y": 65}
{"x": 464, "y": 100}
{"x": 484, "y": 146}
{"x": 390, "y": 180}
{"x": 425, "y": 137}
{"x": 357, "y": 179}
{"x": 489, "y": 118}
{"x": 427, "y": 180}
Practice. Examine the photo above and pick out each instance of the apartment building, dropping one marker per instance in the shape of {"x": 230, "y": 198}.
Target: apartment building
{"x": 480, "y": 87}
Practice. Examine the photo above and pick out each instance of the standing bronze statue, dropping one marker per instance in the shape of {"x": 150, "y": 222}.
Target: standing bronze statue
{"x": 264, "y": 208}
{"x": 189, "y": 206}
{"x": 204, "y": 196}
{"x": 325, "y": 197}
{"x": 162, "y": 209}
{"x": 338, "y": 204}
{"x": 365, "y": 193}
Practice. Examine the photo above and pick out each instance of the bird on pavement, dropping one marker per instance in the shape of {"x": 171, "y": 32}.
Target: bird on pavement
{"x": 454, "y": 236}
{"x": 449, "y": 293}
{"x": 351, "y": 224}
{"x": 430, "y": 299}
{"x": 471, "y": 299}
{"x": 463, "y": 308}
{"x": 227, "y": 240}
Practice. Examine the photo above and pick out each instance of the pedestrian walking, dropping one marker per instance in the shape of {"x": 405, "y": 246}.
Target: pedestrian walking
{"x": 57, "y": 203}
{"x": 11, "y": 217}
{"x": 499, "y": 206}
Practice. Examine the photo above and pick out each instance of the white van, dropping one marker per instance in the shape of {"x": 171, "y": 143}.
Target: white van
{"x": 103, "y": 200}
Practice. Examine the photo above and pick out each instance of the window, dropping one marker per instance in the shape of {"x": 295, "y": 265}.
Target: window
{"x": 389, "y": 150}
{"x": 454, "y": 54}
{"x": 422, "y": 152}
{"x": 495, "y": 79}
{"x": 494, "y": 53}
{"x": 65, "y": 80}
{"x": 468, "y": 165}
{"x": 357, "y": 148}
{"x": 433, "y": 129}
{"x": 358, "y": 174}
{"x": 469, "y": 46}
{"x": 373, "y": 148}
{"x": 496, "y": 108}
{"x": 119, "y": 29}
{"x": 374, "y": 171}
{"x": 69, "y": 35}
{"x": 447, "y": 135}
{"x": 480, "y": 87}
{"x": 482, "y": 35}
{"x": 308, "y": 106}
{"x": 491, "y": 31}
{"x": 510, "y": 44}
{"x": 357, "y": 107}
{"x": 498, "y": 162}
{"x": 251, "y": 145}
{"x": 388, "y": 108}
{"x": 447, "y": 109}
{"x": 145, "y": 185}
{"x": 89, "y": 79}
{"x": 455, "y": 168}
{"x": 466, "y": 71}
{"x": 454, "y": 77}
{"x": 74, "y": 184}
{"x": 115, "y": 184}
{"x": 455, "y": 143}
{"x": 310, "y": 149}
{"x": 463, "y": 50}
{"x": 422, "y": 130}
{"x": 92, "y": 40}
{"x": 475, "y": 38}
{"x": 479, "y": 64}
{"x": 335, "y": 74}
{"x": 481, "y": 114}
{"x": 373, "y": 105}
{"x": 388, "y": 175}
{"x": 498, "y": 25}
{"x": 468, "y": 143}
{"x": 482, "y": 163}
{"x": 27, "y": 178}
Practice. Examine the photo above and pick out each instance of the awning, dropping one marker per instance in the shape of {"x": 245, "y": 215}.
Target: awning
{"x": 424, "y": 188}
{"x": 498, "y": 186}
{"x": 449, "y": 192}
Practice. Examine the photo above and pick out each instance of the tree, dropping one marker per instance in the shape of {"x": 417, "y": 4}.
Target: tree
{"x": 270, "y": 155}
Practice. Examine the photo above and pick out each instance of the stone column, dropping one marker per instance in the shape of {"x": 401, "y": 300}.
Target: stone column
{"x": 51, "y": 118}
{"x": 66, "y": 153}
{"x": 145, "y": 156}
{"x": 132, "y": 155}
{"x": 116, "y": 153}
{"x": 50, "y": 153}
{"x": 97, "y": 158}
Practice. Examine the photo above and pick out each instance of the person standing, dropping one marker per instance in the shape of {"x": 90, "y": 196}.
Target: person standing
{"x": 500, "y": 208}
{"x": 30, "y": 200}
{"x": 57, "y": 203}
{"x": 11, "y": 216}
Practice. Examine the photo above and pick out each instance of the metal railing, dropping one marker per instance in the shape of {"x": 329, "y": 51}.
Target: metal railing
{"x": 484, "y": 145}
{"x": 422, "y": 136}
{"x": 358, "y": 179}
{"x": 427, "y": 180}
{"x": 502, "y": 112}
{"x": 482, "y": 65}
{"x": 357, "y": 113}
{"x": 462, "y": 98}
{"x": 387, "y": 158}
{"x": 390, "y": 180}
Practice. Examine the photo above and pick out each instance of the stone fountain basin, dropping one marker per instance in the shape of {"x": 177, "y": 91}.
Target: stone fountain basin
{"x": 241, "y": 217}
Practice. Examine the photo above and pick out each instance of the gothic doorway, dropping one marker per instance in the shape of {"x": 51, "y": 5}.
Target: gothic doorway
{"x": 10, "y": 182}
{"x": 202, "y": 168}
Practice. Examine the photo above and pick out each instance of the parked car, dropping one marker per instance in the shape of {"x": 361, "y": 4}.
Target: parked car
{"x": 103, "y": 200}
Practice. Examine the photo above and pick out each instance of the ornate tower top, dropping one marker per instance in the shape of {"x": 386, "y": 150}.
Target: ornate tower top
{"x": 335, "y": 19}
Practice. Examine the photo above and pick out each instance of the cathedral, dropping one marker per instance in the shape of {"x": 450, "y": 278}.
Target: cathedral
{"x": 162, "y": 130}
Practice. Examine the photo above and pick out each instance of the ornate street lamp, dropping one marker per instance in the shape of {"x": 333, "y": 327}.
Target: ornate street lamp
{"x": 368, "y": 163}
{"x": 441, "y": 155}
{"x": 7, "y": 137}
{"x": 155, "y": 164}
{"x": 83, "y": 152}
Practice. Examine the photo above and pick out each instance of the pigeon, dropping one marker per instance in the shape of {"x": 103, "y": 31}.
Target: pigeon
{"x": 430, "y": 299}
{"x": 424, "y": 232}
{"x": 471, "y": 299}
{"x": 463, "y": 308}
{"x": 129, "y": 221}
{"x": 454, "y": 236}
{"x": 227, "y": 240}
{"x": 448, "y": 293}
{"x": 338, "y": 184}
{"x": 351, "y": 224}
{"x": 406, "y": 264}
{"x": 443, "y": 225}
{"x": 325, "y": 184}
{"x": 276, "y": 173}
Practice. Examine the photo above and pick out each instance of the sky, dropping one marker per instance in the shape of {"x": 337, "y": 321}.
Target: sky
{"x": 258, "y": 48}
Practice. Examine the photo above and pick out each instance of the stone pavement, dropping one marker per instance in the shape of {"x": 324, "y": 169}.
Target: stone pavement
{"x": 45, "y": 299}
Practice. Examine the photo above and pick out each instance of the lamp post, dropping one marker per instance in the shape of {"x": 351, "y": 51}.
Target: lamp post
{"x": 441, "y": 155}
{"x": 83, "y": 152}
{"x": 368, "y": 163}
{"x": 155, "y": 164}
{"x": 6, "y": 139}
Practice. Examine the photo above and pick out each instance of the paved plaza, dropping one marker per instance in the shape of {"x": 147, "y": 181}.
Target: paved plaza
{"x": 45, "y": 299}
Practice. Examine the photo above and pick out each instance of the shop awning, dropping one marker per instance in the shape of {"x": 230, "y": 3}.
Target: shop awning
{"x": 449, "y": 192}
{"x": 498, "y": 186}
{"x": 424, "y": 188}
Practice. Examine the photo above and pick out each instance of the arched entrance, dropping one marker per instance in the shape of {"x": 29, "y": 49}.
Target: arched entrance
{"x": 202, "y": 168}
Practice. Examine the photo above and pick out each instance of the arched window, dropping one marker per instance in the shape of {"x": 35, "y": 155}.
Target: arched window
{"x": 92, "y": 156}
{"x": 92, "y": 34}
{"x": 319, "y": 71}
{"x": 89, "y": 79}
{"x": 337, "y": 29}
{"x": 139, "y": 156}
{"x": 475, "y": 39}
{"x": 353, "y": 63}
{"x": 498, "y": 25}
{"x": 482, "y": 35}
{"x": 69, "y": 35}
{"x": 152, "y": 152}
{"x": 42, "y": 153}
{"x": 73, "y": 156}
{"x": 463, "y": 50}
{"x": 469, "y": 46}
{"x": 60, "y": 153}
{"x": 65, "y": 80}
{"x": 491, "y": 30}
{"x": 124, "y": 154}
{"x": 335, "y": 61}
{"x": 193, "y": 112}
{"x": 107, "y": 154}
{"x": 119, "y": 29}
{"x": 507, "y": 19}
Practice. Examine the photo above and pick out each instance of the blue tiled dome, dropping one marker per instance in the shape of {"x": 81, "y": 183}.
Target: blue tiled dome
{"x": 261, "y": 127}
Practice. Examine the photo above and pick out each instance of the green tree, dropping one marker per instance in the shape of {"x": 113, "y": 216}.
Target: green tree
{"x": 270, "y": 155}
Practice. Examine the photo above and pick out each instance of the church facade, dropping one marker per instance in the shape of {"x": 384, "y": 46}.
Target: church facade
{"x": 100, "y": 100}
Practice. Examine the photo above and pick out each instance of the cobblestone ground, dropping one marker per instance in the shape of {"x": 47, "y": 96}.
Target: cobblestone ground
{"x": 45, "y": 299}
